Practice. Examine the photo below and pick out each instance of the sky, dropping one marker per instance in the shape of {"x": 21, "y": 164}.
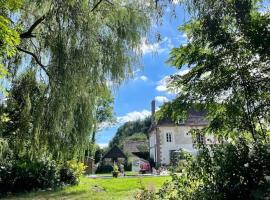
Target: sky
{"x": 134, "y": 96}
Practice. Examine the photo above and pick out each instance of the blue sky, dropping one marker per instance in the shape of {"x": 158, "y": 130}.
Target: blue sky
{"x": 133, "y": 97}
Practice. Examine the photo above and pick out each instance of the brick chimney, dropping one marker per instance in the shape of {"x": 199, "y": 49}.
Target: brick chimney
{"x": 153, "y": 107}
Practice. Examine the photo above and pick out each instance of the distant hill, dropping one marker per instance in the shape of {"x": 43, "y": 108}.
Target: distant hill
{"x": 137, "y": 130}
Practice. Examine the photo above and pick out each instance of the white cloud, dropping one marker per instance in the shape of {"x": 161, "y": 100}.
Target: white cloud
{"x": 102, "y": 145}
{"x": 161, "y": 99}
{"x": 164, "y": 45}
{"x": 133, "y": 116}
{"x": 147, "y": 47}
{"x": 168, "y": 42}
{"x": 176, "y": 2}
{"x": 144, "y": 78}
{"x": 163, "y": 84}
{"x": 183, "y": 72}
{"x": 184, "y": 35}
{"x": 105, "y": 125}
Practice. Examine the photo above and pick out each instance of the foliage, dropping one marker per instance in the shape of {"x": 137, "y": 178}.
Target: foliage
{"x": 127, "y": 166}
{"x": 227, "y": 61}
{"x": 103, "y": 168}
{"x": 115, "y": 171}
{"x": 20, "y": 175}
{"x": 143, "y": 147}
{"x": 145, "y": 193}
{"x": 99, "y": 153}
{"x": 131, "y": 130}
{"x": 9, "y": 36}
{"x": 104, "y": 110}
{"x": 115, "y": 168}
{"x": 76, "y": 50}
{"x": 137, "y": 137}
{"x": 229, "y": 171}
{"x": 177, "y": 110}
{"x": 23, "y": 108}
{"x": 71, "y": 171}
{"x": 24, "y": 174}
{"x": 3, "y": 147}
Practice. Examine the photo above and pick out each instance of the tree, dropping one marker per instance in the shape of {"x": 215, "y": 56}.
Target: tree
{"x": 228, "y": 61}
{"x": 23, "y": 129}
{"x": 229, "y": 171}
{"x": 131, "y": 130}
{"x": 74, "y": 48}
{"x": 104, "y": 112}
{"x": 9, "y": 36}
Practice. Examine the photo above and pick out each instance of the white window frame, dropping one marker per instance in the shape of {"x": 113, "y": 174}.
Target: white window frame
{"x": 168, "y": 137}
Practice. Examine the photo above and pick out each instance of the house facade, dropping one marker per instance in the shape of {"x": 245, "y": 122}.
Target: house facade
{"x": 165, "y": 137}
{"x": 138, "y": 151}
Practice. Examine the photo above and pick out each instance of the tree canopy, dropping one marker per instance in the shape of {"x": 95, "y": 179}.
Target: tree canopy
{"x": 63, "y": 55}
{"x": 228, "y": 61}
{"x": 137, "y": 130}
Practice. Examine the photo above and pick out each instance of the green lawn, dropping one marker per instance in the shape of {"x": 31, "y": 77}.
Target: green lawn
{"x": 128, "y": 173}
{"x": 97, "y": 189}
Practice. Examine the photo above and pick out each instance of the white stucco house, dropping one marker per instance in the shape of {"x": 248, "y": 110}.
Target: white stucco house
{"x": 165, "y": 137}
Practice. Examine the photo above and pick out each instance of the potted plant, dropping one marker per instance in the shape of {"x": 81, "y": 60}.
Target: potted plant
{"x": 115, "y": 171}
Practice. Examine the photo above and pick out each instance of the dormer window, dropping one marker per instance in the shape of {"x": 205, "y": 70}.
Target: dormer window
{"x": 169, "y": 137}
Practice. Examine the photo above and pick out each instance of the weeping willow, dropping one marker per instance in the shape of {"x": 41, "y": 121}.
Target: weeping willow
{"x": 3, "y": 147}
{"x": 75, "y": 47}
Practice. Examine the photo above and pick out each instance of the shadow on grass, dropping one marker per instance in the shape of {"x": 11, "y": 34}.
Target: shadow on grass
{"x": 42, "y": 195}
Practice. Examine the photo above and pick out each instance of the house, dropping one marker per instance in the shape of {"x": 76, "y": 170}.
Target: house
{"x": 135, "y": 146}
{"x": 114, "y": 155}
{"x": 166, "y": 137}
{"x": 139, "y": 153}
{"x": 139, "y": 148}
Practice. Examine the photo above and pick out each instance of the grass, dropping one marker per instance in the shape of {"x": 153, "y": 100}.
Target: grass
{"x": 97, "y": 189}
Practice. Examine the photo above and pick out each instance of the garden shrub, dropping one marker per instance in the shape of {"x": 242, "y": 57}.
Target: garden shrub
{"x": 128, "y": 166}
{"x": 23, "y": 174}
{"x": 145, "y": 192}
{"x": 70, "y": 172}
{"x": 238, "y": 171}
{"x": 104, "y": 168}
{"x": 108, "y": 168}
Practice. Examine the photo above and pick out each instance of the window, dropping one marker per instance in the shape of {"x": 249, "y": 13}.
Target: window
{"x": 169, "y": 137}
{"x": 199, "y": 139}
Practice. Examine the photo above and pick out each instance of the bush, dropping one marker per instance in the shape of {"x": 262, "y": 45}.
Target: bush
{"x": 128, "y": 166}
{"x": 231, "y": 171}
{"x": 104, "y": 169}
{"x": 23, "y": 174}
{"x": 145, "y": 193}
{"x": 70, "y": 172}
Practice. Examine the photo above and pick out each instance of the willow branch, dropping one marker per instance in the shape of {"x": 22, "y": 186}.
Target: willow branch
{"x": 95, "y": 6}
{"x": 36, "y": 59}
{"x": 29, "y": 34}
{"x": 109, "y": 2}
